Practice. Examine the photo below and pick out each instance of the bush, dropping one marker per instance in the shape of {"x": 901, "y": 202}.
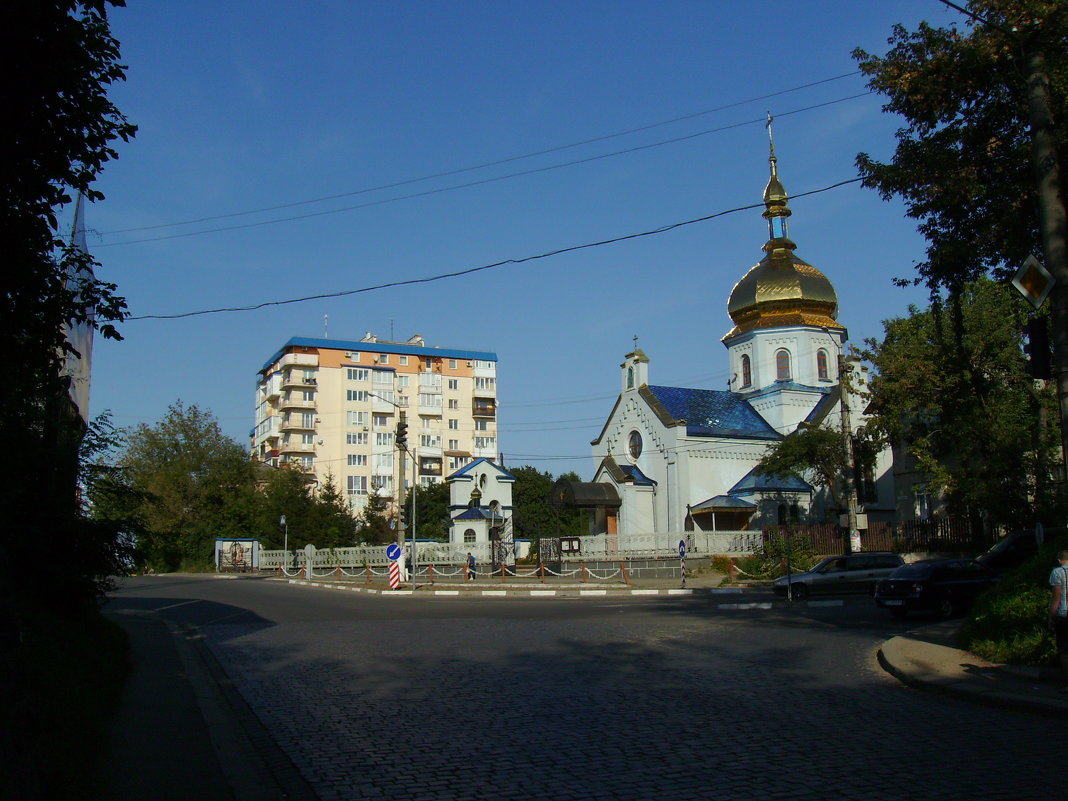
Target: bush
{"x": 1008, "y": 622}
{"x": 768, "y": 561}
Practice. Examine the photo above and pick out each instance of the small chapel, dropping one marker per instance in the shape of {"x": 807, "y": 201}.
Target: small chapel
{"x": 676, "y": 459}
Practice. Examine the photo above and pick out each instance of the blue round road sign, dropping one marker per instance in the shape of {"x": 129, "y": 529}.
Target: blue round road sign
{"x": 682, "y": 549}
{"x": 393, "y": 551}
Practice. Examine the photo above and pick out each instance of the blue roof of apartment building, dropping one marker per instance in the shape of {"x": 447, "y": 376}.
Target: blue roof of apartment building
{"x": 379, "y": 347}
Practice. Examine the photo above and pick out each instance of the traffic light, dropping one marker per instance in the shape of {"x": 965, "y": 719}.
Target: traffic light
{"x": 406, "y": 516}
{"x": 402, "y": 433}
{"x": 1037, "y": 348}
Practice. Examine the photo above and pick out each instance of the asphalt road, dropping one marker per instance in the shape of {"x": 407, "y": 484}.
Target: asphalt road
{"x": 568, "y": 698}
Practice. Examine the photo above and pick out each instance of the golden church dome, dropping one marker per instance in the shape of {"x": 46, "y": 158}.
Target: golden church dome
{"x": 783, "y": 289}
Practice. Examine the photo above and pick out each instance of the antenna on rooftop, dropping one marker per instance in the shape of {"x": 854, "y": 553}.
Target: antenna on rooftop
{"x": 326, "y": 326}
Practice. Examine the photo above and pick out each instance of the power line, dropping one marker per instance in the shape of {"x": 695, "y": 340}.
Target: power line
{"x": 493, "y": 265}
{"x": 482, "y": 181}
{"x": 484, "y": 165}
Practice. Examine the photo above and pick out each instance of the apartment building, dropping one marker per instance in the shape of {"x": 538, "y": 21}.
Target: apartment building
{"x": 332, "y": 406}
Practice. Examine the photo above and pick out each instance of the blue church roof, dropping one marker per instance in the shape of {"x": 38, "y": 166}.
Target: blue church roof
{"x": 637, "y": 476}
{"x": 755, "y": 481}
{"x": 714, "y": 413}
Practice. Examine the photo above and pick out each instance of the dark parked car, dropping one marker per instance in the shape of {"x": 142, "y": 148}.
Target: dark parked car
{"x": 943, "y": 586}
{"x": 855, "y": 572}
{"x": 1010, "y": 551}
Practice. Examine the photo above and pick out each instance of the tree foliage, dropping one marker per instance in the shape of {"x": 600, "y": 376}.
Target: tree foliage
{"x": 533, "y": 517}
{"x": 812, "y": 453}
{"x": 432, "y": 511}
{"x": 963, "y": 159}
{"x": 952, "y": 387}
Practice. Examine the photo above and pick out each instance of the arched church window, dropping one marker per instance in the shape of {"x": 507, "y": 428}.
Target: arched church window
{"x": 821, "y": 365}
{"x": 634, "y": 445}
{"x": 630, "y": 378}
{"x": 747, "y": 370}
{"x": 469, "y": 536}
{"x": 782, "y": 365}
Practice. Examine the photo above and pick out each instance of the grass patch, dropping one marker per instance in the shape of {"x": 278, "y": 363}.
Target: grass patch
{"x": 70, "y": 672}
{"x": 1008, "y": 622}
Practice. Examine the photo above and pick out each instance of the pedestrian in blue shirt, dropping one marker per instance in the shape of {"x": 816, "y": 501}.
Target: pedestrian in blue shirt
{"x": 470, "y": 566}
{"x": 1058, "y": 610}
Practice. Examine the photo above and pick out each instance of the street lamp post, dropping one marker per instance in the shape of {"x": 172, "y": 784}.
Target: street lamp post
{"x": 285, "y": 546}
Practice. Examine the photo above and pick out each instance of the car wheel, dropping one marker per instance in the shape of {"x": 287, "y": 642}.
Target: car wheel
{"x": 945, "y": 608}
{"x": 800, "y": 592}
{"x": 899, "y": 611}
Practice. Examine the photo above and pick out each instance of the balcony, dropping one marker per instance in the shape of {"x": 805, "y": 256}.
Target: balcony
{"x": 297, "y": 424}
{"x": 293, "y": 402}
{"x": 294, "y": 379}
{"x": 484, "y": 408}
{"x": 296, "y": 447}
{"x": 298, "y": 360}
{"x": 272, "y": 387}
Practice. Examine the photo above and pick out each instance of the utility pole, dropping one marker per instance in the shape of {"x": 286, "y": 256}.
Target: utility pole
{"x": 401, "y": 441}
{"x": 1052, "y": 223}
{"x": 849, "y": 488}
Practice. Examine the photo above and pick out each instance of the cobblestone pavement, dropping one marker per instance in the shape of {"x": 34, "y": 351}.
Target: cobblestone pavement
{"x": 621, "y": 701}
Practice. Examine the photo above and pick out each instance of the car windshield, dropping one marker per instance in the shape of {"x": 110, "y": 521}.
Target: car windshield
{"x": 913, "y": 571}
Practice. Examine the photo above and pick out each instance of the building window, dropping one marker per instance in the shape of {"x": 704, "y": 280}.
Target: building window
{"x": 485, "y": 383}
{"x": 453, "y": 403}
{"x": 309, "y": 394}
{"x": 452, "y": 364}
{"x": 481, "y": 425}
{"x": 630, "y": 378}
{"x": 485, "y": 443}
{"x": 357, "y": 418}
{"x": 384, "y": 439}
{"x": 782, "y": 365}
{"x": 384, "y": 462}
{"x": 430, "y": 400}
{"x": 357, "y": 460}
{"x": 482, "y": 364}
{"x": 454, "y": 444}
{"x": 821, "y": 365}
{"x": 634, "y": 445}
{"x": 747, "y": 370}
{"x": 454, "y": 383}
{"x": 380, "y": 420}
{"x": 355, "y": 439}
{"x": 402, "y": 381}
{"x": 404, "y": 361}
{"x": 454, "y": 425}
{"x": 383, "y": 359}
{"x": 307, "y": 439}
{"x": 469, "y": 536}
{"x": 357, "y": 485}
{"x": 429, "y": 440}
{"x": 382, "y": 378}
{"x": 357, "y": 373}
{"x": 356, "y": 395}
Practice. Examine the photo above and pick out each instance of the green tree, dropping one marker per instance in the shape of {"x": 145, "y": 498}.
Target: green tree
{"x": 374, "y": 526}
{"x": 963, "y": 161}
{"x": 952, "y": 387}
{"x": 60, "y": 60}
{"x": 812, "y": 453}
{"x": 193, "y": 481}
{"x": 432, "y": 511}
{"x": 334, "y": 522}
{"x": 533, "y": 516}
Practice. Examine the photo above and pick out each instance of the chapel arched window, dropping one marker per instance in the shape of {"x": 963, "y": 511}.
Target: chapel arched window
{"x": 747, "y": 370}
{"x": 821, "y": 365}
{"x": 782, "y": 365}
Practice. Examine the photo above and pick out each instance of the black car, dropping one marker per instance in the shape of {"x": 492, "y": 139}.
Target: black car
{"x": 1010, "y": 551}
{"x": 943, "y": 586}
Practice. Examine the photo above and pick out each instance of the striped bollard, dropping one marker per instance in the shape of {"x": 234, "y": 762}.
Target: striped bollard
{"x": 394, "y": 575}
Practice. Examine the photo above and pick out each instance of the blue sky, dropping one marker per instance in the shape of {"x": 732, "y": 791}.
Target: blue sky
{"x": 249, "y": 105}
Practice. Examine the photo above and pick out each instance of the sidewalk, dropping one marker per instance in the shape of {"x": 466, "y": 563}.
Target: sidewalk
{"x": 182, "y": 731}
{"x": 928, "y": 659}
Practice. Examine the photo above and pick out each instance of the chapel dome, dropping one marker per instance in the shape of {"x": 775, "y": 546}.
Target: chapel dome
{"x": 782, "y": 289}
